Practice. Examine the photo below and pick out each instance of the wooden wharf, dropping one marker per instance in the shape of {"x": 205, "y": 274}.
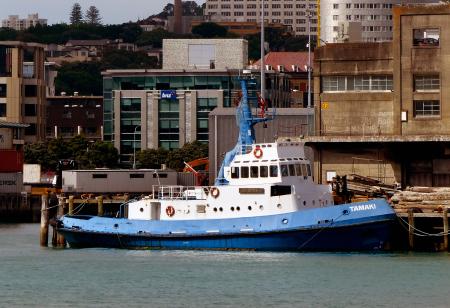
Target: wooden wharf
{"x": 73, "y": 205}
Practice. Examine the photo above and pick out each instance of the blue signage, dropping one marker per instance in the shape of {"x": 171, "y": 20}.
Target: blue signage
{"x": 169, "y": 94}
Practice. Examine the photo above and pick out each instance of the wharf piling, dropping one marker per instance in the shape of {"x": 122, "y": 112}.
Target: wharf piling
{"x": 60, "y": 240}
{"x": 100, "y": 205}
{"x": 70, "y": 212}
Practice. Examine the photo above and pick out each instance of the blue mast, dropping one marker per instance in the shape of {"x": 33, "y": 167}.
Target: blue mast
{"x": 246, "y": 122}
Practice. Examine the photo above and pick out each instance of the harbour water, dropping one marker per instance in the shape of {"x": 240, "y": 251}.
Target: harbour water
{"x": 35, "y": 276}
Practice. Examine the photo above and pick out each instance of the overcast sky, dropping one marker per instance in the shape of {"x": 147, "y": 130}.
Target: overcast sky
{"x": 112, "y": 11}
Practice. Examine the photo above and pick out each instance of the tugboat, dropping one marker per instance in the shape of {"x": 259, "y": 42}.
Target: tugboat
{"x": 263, "y": 199}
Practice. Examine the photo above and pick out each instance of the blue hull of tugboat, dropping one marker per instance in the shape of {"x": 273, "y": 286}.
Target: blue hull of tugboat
{"x": 350, "y": 227}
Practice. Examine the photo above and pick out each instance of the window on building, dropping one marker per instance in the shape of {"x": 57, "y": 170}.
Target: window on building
{"x": 3, "y": 88}
{"x": 169, "y": 124}
{"x": 2, "y": 110}
{"x": 31, "y": 130}
{"x": 427, "y": 108}
{"x": 361, "y": 83}
{"x": 30, "y": 90}
{"x": 204, "y": 107}
{"x": 30, "y": 110}
{"x": 427, "y": 83}
{"x": 426, "y": 37}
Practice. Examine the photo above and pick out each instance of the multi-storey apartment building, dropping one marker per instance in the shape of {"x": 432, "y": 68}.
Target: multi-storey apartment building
{"x": 23, "y": 87}
{"x": 295, "y": 14}
{"x": 358, "y": 20}
{"x": 16, "y": 23}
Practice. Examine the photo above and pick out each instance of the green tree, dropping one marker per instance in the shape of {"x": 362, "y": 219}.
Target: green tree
{"x": 87, "y": 154}
{"x": 154, "y": 38}
{"x": 93, "y": 16}
{"x": 190, "y": 151}
{"x": 76, "y": 15}
{"x": 83, "y": 77}
{"x": 152, "y": 158}
{"x": 209, "y": 30}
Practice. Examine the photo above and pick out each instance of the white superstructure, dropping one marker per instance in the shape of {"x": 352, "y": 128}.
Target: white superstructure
{"x": 269, "y": 179}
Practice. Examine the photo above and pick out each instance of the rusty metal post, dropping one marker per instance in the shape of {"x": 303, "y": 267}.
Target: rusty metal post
{"x": 411, "y": 228}
{"x": 44, "y": 220}
{"x": 445, "y": 218}
{"x": 61, "y": 241}
{"x": 70, "y": 205}
{"x": 100, "y": 205}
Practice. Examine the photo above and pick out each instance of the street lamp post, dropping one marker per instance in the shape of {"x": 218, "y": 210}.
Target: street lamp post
{"x": 134, "y": 147}
{"x": 309, "y": 59}
{"x": 263, "y": 75}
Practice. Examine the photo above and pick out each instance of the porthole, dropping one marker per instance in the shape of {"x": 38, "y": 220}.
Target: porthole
{"x": 279, "y": 205}
{"x": 314, "y": 202}
{"x": 285, "y": 221}
{"x": 261, "y": 207}
{"x": 116, "y": 225}
{"x": 220, "y": 209}
{"x": 141, "y": 209}
{"x": 215, "y": 209}
{"x": 232, "y": 208}
{"x": 304, "y": 203}
{"x": 238, "y": 208}
{"x": 249, "y": 208}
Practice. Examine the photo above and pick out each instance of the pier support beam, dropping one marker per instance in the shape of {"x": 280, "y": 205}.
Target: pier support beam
{"x": 70, "y": 205}
{"x": 100, "y": 205}
{"x": 411, "y": 228}
{"x": 44, "y": 220}
{"x": 445, "y": 218}
{"x": 61, "y": 241}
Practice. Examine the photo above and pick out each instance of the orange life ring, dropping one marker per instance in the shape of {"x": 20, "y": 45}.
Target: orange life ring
{"x": 215, "y": 192}
{"x": 170, "y": 211}
{"x": 258, "y": 152}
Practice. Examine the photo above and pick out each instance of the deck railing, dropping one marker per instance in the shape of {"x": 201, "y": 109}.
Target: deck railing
{"x": 180, "y": 192}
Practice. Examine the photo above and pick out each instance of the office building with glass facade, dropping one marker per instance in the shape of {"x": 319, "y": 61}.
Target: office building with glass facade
{"x": 148, "y": 109}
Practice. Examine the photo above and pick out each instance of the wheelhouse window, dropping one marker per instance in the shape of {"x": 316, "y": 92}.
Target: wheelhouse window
{"x": 426, "y": 37}
{"x": 298, "y": 170}
{"x": 235, "y": 172}
{"x": 423, "y": 109}
{"x": 273, "y": 171}
{"x": 263, "y": 171}
{"x": 430, "y": 83}
{"x": 284, "y": 170}
{"x": 292, "y": 170}
{"x": 254, "y": 171}
{"x": 244, "y": 172}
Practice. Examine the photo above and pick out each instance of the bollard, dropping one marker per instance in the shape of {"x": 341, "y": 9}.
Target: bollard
{"x": 100, "y": 205}
{"x": 61, "y": 242}
{"x": 70, "y": 205}
{"x": 44, "y": 221}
